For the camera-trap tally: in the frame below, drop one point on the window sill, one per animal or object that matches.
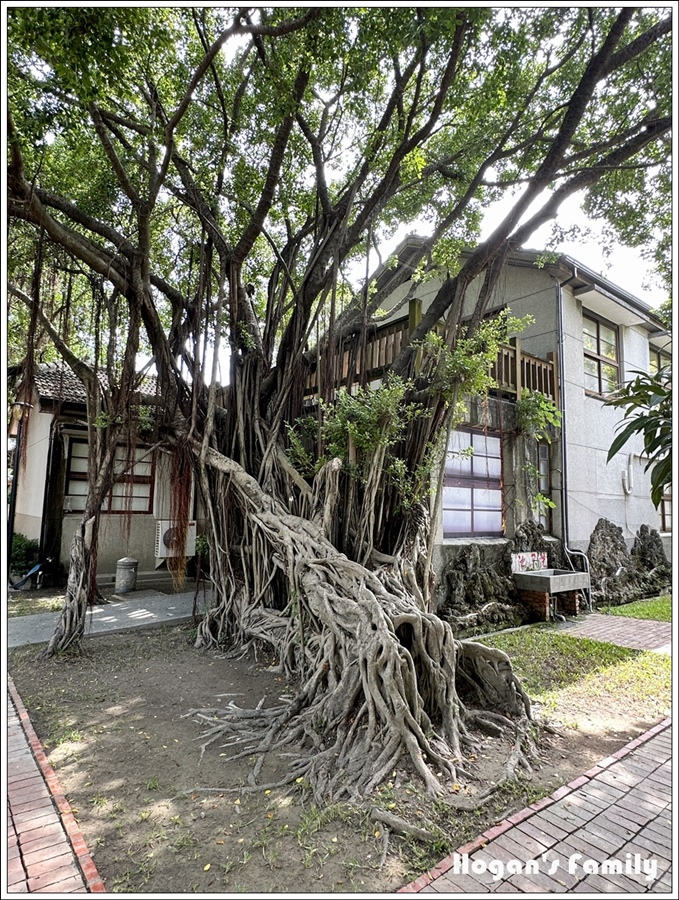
(474, 539)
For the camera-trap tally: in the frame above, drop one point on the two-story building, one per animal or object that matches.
(587, 336)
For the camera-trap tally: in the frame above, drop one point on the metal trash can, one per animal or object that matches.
(126, 575)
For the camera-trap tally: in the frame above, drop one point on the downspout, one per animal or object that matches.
(562, 435)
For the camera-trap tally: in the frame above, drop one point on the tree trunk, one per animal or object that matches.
(80, 590)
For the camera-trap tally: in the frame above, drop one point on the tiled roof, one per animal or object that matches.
(57, 381)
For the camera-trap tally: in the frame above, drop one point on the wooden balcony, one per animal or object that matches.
(513, 370)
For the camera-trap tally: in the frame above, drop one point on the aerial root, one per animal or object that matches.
(400, 825)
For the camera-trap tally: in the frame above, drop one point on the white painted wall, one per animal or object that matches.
(31, 479)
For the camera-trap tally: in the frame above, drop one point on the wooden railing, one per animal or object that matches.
(513, 370)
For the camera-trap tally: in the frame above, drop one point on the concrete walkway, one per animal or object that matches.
(139, 608)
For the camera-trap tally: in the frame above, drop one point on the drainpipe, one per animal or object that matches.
(562, 439)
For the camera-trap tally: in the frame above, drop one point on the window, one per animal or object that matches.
(544, 486)
(133, 488)
(472, 485)
(666, 511)
(600, 343)
(657, 360)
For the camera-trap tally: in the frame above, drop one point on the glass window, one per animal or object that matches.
(666, 511)
(472, 487)
(601, 361)
(657, 360)
(544, 486)
(133, 487)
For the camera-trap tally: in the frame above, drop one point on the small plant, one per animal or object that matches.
(153, 784)
(24, 553)
(536, 415)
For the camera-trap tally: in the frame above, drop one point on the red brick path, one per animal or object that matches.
(620, 810)
(640, 634)
(46, 851)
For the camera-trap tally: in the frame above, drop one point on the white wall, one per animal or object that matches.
(31, 479)
(595, 486)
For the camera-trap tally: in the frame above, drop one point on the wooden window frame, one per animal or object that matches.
(124, 478)
(598, 358)
(665, 511)
(475, 481)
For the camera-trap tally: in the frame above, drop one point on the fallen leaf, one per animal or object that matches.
(206, 868)
(378, 833)
(219, 842)
(267, 792)
(334, 840)
(237, 801)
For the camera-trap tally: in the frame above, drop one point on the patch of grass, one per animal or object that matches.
(26, 604)
(658, 609)
(556, 669)
(643, 682)
(546, 661)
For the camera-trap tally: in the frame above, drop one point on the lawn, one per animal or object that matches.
(557, 670)
(658, 608)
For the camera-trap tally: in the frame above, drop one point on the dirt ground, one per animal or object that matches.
(159, 818)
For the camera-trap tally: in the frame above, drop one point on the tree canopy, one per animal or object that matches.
(222, 171)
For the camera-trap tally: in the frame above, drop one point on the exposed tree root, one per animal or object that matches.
(398, 824)
(378, 674)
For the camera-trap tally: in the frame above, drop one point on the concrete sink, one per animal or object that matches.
(551, 581)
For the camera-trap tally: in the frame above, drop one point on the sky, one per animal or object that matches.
(624, 266)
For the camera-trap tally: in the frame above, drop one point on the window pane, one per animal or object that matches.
(78, 449)
(487, 499)
(78, 488)
(456, 522)
(458, 465)
(487, 467)
(609, 376)
(486, 445)
(591, 375)
(488, 521)
(607, 341)
(460, 440)
(591, 366)
(589, 336)
(78, 464)
(457, 498)
(133, 504)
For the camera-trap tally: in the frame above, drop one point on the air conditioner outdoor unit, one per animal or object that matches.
(168, 539)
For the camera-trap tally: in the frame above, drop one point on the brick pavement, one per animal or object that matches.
(608, 831)
(46, 851)
(639, 634)
(605, 832)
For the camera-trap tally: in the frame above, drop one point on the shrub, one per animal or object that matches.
(24, 553)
